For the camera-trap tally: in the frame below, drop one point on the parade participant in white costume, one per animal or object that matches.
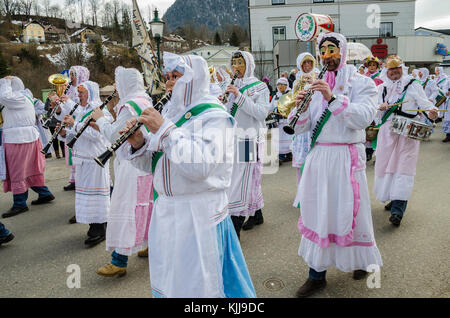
(193, 248)
(78, 74)
(92, 193)
(131, 200)
(336, 221)
(22, 162)
(397, 155)
(249, 104)
(306, 64)
(284, 148)
(443, 84)
(428, 84)
(446, 121)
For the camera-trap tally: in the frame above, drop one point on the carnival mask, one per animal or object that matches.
(282, 87)
(330, 54)
(238, 65)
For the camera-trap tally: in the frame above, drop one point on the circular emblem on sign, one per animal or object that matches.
(188, 115)
(305, 27)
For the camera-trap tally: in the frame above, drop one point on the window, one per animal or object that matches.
(386, 29)
(322, 1)
(276, 2)
(279, 33)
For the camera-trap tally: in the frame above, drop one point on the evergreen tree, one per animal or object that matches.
(4, 70)
(126, 26)
(99, 58)
(234, 40)
(217, 39)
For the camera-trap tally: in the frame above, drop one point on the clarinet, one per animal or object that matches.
(103, 158)
(225, 97)
(56, 133)
(289, 129)
(52, 114)
(89, 120)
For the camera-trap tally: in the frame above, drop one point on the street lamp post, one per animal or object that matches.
(157, 27)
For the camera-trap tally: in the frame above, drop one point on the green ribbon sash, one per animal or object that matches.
(194, 112)
(242, 90)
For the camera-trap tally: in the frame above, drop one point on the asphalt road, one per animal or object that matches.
(416, 255)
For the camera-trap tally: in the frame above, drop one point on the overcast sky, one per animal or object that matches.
(429, 13)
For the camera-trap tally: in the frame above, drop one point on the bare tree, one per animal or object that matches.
(47, 5)
(36, 8)
(55, 11)
(25, 6)
(81, 7)
(9, 7)
(94, 8)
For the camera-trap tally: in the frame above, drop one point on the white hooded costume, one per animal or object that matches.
(131, 200)
(336, 220)
(92, 193)
(285, 139)
(397, 155)
(191, 236)
(252, 108)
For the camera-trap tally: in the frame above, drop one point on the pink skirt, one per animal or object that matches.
(25, 165)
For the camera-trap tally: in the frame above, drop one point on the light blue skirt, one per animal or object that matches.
(236, 278)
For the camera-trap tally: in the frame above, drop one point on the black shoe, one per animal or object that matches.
(43, 200)
(14, 211)
(369, 157)
(359, 274)
(447, 139)
(237, 224)
(259, 218)
(250, 224)
(94, 240)
(69, 187)
(310, 287)
(73, 220)
(388, 206)
(395, 219)
(6, 239)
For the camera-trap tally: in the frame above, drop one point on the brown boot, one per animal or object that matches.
(310, 287)
(110, 270)
(447, 139)
(58, 156)
(143, 253)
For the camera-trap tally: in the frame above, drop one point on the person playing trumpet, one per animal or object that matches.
(336, 222)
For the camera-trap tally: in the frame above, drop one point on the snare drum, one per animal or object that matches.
(411, 128)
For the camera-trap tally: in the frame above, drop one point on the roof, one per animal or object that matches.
(27, 23)
(79, 31)
(53, 29)
(443, 31)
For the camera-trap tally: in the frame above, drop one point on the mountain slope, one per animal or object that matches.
(212, 13)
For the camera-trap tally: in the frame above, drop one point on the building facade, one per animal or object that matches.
(215, 55)
(384, 26)
(33, 31)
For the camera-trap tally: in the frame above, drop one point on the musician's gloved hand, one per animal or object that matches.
(323, 87)
(69, 121)
(137, 140)
(433, 114)
(97, 114)
(300, 97)
(232, 89)
(152, 119)
(384, 106)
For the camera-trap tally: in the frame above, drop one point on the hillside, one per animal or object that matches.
(214, 14)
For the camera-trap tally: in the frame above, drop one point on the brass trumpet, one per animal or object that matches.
(59, 81)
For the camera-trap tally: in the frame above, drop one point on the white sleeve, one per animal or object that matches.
(8, 98)
(360, 111)
(303, 123)
(111, 129)
(257, 106)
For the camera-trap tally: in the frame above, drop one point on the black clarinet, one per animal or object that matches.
(57, 131)
(52, 114)
(103, 158)
(225, 97)
(72, 142)
(289, 129)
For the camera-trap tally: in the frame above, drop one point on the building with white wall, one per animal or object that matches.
(215, 55)
(275, 45)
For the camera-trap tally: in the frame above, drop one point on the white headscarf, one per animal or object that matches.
(442, 75)
(192, 88)
(397, 85)
(425, 74)
(300, 59)
(17, 84)
(93, 92)
(129, 84)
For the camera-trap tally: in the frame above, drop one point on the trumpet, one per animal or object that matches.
(289, 129)
(59, 81)
(103, 158)
(57, 131)
(72, 142)
(225, 97)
